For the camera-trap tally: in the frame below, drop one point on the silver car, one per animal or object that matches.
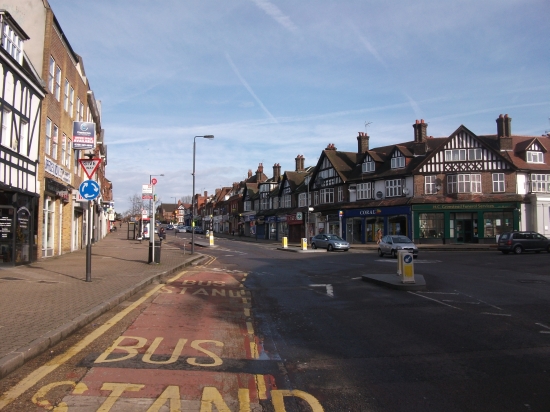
(181, 229)
(390, 244)
(330, 242)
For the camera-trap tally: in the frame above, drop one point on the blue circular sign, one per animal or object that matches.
(408, 259)
(89, 189)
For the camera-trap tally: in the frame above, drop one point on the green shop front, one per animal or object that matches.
(464, 222)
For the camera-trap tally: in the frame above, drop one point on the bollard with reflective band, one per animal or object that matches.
(211, 237)
(405, 266)
(304, 243)
(285, 242)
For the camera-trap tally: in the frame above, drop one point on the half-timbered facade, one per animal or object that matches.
(21, 95)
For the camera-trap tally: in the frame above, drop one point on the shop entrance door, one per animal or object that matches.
(7, 229)
(464, 230)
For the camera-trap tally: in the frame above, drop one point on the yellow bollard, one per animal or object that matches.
(285, 242)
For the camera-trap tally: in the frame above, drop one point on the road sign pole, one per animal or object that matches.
(152, 228)
(89, 245)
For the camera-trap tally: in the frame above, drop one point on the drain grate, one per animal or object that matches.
(531, 281)
(10, 278)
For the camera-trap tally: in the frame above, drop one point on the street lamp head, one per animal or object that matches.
(207, 136)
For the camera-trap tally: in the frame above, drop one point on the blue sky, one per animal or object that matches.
(272, 79)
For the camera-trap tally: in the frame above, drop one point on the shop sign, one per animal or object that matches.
(6, 224)
(64, 195)
(271, 219)
(293, 219)
(54, 169)
(464, 206)
(281, 218)
(83, 135)
(370, 212)
(54, 187)
(249, 218)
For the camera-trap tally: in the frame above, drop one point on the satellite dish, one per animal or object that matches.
(406, 191)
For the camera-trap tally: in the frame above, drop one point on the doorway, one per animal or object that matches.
(466, 228)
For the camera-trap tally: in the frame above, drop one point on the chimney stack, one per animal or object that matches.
(249, 173)
(362, 143)
(331, 146)
(259, 173)
(300, 163)
(276, 172)
(420, 129)
(504, 132)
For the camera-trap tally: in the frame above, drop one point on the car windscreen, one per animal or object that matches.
(401, 239)
(334, 237)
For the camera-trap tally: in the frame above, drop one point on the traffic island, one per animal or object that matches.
(298, 250)
(394, 281)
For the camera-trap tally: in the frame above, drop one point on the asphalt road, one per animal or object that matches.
(477, 339)
(257, 328)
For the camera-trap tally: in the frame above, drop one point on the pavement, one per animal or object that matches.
(44, 302)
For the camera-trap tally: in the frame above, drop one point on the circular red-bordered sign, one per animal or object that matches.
(154, 181)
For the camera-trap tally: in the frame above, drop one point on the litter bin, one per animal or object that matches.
(157, 252)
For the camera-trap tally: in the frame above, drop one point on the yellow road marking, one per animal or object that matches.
(250, 328)
(33, 378)
(260, 384)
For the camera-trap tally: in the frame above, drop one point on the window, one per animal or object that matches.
(316, 198)
(430, 185)
(540, 183)
(24, 137)
(13, 44)
(64, 149)
(247, 206)
(475, 154)
(77, 114)
(287, 201)
(6, 128)
(498, 182)
(48, 145)
(81, 118)
(76, 163)
(397, 162)
(69, 150)
(535, 157)
(464, 183)
(364, 191)
(66, 96)
(394, 188)
(264, 202)
(57, 87)
(51, 75)
(340, 193)
(497, 223)
(71, 102)
(302, 199)
(327, 195)
(55, 137)
(368, 167)
(455, 155)
(431, 225)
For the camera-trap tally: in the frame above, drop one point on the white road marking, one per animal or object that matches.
(435, 300)
(441, 293)
(330, 291)
(544, 326)
(357, 278)
(495, 314)
(459, 301)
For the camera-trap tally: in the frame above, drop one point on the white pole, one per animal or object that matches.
(152, 228)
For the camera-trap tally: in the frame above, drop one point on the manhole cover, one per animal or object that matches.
(10, 278)
(530, 281)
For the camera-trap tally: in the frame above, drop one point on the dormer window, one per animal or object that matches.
(368, 167)
(397, 161)
(534, 157)
(12, 42)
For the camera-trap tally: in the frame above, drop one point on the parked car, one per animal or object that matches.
(181, 229)
(330, 242)
(199, 230)
(170, 227)
(519, 242)
(390, 244)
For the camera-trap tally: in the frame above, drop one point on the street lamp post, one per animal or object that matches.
(152, 221)
(207, 136)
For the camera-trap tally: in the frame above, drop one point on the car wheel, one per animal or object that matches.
(518, 249)
(548, 250)
(313, 246)
(330, 248)
(504, 252)
(380, 253)
(394, 254)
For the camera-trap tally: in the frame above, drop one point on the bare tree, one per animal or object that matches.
(136, 205)
(186, 199)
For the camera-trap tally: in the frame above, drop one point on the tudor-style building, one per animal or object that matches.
(21, 95)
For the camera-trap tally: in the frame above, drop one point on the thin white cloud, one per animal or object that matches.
(273, 11)
(368, 45)
(414, 106)
(247, 86)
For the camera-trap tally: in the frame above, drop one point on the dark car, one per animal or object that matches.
(330, 242)
(519, 242)
(390, 244)
(199, 230)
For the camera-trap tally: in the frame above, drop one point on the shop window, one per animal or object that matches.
(397, 225)
(497, 223)
(431, 225)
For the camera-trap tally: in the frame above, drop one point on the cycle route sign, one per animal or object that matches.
(89, 189)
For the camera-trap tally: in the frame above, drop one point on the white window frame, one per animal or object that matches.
(66, 96)
(51, 75)
(368, 167)
(48, 142)
(464, 183)
(475, 154)
(247, 205)
(315, 198)
(455, 155)
(81, 119)
(71, 102)
(326, 195)
(499, 184)
(77, 108)
(394, 188)
(287, 201)
(430, 184)
(364, 191)
(302, 199)
(534, 157)
(69, 150)
(57, 91)
(397, 162)
(7, 137)
(540, 183)
(340, 194)
(55, 141)
(64, 149)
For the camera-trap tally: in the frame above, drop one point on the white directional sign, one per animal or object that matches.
(89, 189)
(146, 192)
(90, 166)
